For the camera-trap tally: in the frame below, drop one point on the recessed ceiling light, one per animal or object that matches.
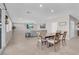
(28, 12)
(41, 5)
(52, 10)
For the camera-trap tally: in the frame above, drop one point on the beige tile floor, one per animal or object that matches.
(19, 45)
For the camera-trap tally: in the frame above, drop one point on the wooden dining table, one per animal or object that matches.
(50, 36)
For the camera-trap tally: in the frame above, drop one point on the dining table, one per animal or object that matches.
(50, 36)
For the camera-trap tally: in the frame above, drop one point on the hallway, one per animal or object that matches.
(20, 45)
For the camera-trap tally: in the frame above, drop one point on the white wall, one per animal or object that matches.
(9, 25)
(8, 31)
(22, 26)
(3, 28)
(72, 29)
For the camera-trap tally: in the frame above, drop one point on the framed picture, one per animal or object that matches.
(42, 25)
(29, 26)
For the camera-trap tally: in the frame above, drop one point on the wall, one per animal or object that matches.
(8, 31)
(3, 28)
(22, 26)
(73, 31)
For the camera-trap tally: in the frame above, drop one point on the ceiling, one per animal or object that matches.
(33, 11)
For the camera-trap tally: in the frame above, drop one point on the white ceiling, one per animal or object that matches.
(32, 11)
